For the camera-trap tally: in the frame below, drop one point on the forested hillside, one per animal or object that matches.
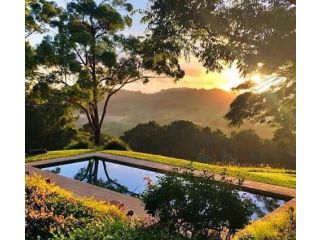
(203, 107)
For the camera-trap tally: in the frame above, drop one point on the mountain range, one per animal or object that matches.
(203, 107)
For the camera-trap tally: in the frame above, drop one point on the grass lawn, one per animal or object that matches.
(279, 177)
(58, 154)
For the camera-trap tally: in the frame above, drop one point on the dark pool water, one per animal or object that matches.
(133, 181)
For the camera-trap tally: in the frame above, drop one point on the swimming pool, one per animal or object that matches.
(134, 181)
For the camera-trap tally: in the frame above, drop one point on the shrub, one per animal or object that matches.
(197, 206)
(41, 219)
(116, 230)
(51, 210)
(81, 144)
(116, 144)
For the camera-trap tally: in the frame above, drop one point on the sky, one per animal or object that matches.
(195, 75)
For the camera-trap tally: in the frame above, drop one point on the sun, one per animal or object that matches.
(231, 77)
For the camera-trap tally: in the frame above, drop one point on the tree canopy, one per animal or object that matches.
(89, 60)
(38, 15)
(186, 140)
(257, 35)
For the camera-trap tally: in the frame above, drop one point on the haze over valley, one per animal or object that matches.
(203, 107)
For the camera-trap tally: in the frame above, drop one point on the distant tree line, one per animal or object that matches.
(184, 139)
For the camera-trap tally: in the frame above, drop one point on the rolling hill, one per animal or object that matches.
(203, 107)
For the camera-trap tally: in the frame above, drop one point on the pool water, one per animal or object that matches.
(134, 181)
(113, 176)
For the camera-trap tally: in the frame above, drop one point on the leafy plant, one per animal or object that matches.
(116, 144)
(199, 207)
(116, 230)
(50, 210)
(79, 145)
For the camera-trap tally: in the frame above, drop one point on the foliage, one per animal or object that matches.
(198, 207)
(53, 213)
(184, 139)
(275, 49)
(249, 34)
(117, 231)
(38, 14)
(116, 144)
(49, 121)
(51, 210)
(89, 60)
(79, 145)
(86, 132)
(246, 31)
(143, 133)
(41, 220)
(279, 226)
(31, 60)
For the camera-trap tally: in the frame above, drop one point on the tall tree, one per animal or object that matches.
(89, 60)
(258, 35)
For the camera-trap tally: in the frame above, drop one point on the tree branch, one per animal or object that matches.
(84, 109)
(104, 109)
(28, 34)
(63, 82)
(110, 95)
(79, 55)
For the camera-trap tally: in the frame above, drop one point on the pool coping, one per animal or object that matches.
(132, 203)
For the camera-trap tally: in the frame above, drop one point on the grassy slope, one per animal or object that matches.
(102, 207)
(280, 177)
(58, 154)
(269, 226)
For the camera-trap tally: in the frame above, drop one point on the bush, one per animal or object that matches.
(117, 230)
(116, 144)
(41, 220)
(50, 210)
(197, 206)
(79, 145)
(54, 213)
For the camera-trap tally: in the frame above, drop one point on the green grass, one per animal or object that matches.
(279, 177)
(58, 154)
(269, 226)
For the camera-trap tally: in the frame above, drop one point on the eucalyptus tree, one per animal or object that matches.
(257, 35)
(38, 15)
(89, 59)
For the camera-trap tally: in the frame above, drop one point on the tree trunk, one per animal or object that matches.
(97, 136)
(95, 171)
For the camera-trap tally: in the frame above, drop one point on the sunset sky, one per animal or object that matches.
(195, 77)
